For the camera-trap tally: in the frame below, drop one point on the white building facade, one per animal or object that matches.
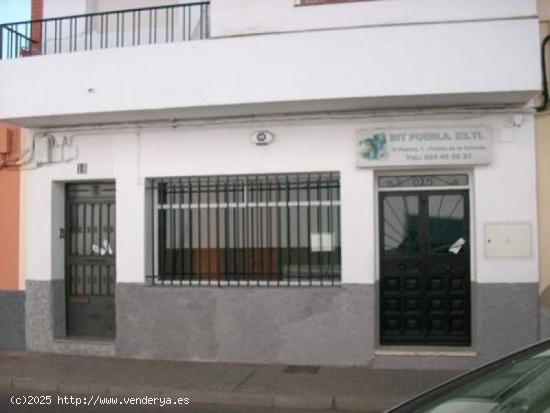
(349, 183)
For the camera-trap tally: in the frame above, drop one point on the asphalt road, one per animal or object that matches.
(18, 402)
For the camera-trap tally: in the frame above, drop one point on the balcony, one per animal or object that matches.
(83, 69)
(121, 28)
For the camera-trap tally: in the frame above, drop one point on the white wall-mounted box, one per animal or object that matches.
(508, 240)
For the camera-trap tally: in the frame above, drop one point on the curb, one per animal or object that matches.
(222, 397)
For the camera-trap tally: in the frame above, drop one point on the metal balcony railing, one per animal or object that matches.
(120, 28)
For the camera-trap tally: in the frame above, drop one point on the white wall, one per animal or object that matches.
(436, 64)
(502, 191)
(238, 17)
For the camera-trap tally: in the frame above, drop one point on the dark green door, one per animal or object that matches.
(90, 259)
(425, 268)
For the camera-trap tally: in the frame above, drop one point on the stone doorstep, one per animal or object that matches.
(229, 398)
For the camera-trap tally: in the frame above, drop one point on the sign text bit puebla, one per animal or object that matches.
(418, 147)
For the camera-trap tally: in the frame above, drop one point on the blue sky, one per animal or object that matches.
(14, 10)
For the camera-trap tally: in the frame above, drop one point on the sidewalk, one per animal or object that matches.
(337, 388)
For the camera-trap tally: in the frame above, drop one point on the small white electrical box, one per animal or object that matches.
(43, 150)
(508, 240)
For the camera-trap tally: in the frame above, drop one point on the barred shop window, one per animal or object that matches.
(252, 230)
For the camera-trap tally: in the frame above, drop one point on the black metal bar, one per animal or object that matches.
(218, 229)
(155, 25)
(161, 217)
(28, 44)
(17, 48)
(199, 229)
(150, 26)
(154, 231)
(60, 36)
(208, 249)
(320, 224)
(261, 211)
(258, 224)
(269, 236)
(181, 215)
(133, 29)
(288, 226)
(279, 235)
(190, 186)
(86, 33)
(189, 23)
(330, 246)
(183, 9)
(172, 24)
(139, 27)
(75, 34)
(118, 30)
(226, 227)
(45, 37)
(331, 229)
(309, 228)
(236, 229)
(246, 233)
(166, 17)
(298, 230)
(172, 230)
(91, 32)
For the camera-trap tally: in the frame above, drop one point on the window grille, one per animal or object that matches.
(252, 230)
(415, 181)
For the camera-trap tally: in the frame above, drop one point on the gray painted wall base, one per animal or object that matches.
(330, 326)
(326, 326)
(506, 318)
(12, 320)
(45, 321)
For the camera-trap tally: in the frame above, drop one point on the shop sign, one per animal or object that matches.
(424, 146)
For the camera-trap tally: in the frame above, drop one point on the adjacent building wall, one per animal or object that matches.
(543, 174)
(12, 297)
(543, 187)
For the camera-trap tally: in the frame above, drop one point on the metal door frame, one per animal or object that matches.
(470, 187)
(67, 243)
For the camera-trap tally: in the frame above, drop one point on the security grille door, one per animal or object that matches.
(90, 259)
(425, 268)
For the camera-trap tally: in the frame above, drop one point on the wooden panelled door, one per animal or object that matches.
(424, 268)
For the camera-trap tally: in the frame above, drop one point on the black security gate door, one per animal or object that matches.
(425, 268)
(90, 259)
